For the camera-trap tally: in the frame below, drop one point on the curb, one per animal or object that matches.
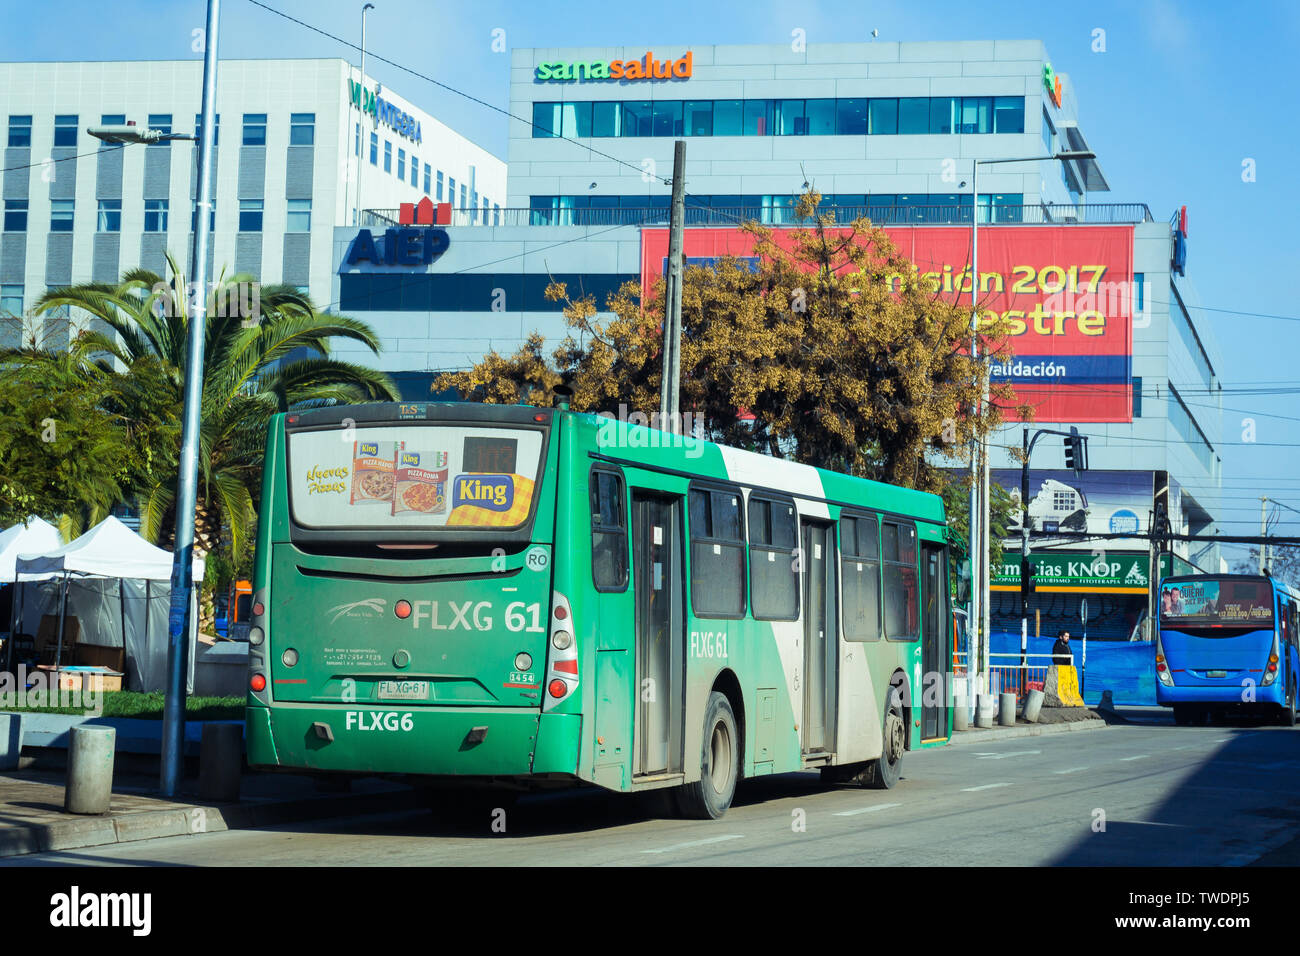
(82, 832)
(1026, 730)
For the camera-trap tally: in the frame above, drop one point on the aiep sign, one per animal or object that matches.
(404, 246)
(646, 68)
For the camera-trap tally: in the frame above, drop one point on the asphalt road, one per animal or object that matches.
(1165, 795)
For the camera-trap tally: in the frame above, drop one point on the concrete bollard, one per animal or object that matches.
(984, 711)
(960, 714)
(1033, 704)
(11, 740)
(90, 769)
(1007, 710)
(1107, 701)
(221, 753)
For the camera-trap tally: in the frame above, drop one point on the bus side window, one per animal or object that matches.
(717, 553)
(860, 574)
(902, 594)
(608, 531)
(773, 582)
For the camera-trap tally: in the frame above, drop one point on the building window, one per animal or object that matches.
(605, 119)
(110, 216)
(298, 218)
(773, 582)
(216, 128)
(163, 123)
(194, 218)
(356, 141)
(302, 129)
(882, 117)
(439, 196)
(717, 553)
(374, 149)
(860, 573)
(463, 196)
(608, 531)
(1009, 114)
(61, 215)
(1137, 396)
(1062, 501)
(155, 215)
(496, 215)
(1049, 135)
(401, 165)
(473, 205)
(112, 119)
(250, 215)
(254, 129)
(388, 156)
(11, 299)
(902, 593)
(20, 131)
(65, 130)
(15, 215)
(428, 178)
(546, 120)
(415, 172)
(451, 191)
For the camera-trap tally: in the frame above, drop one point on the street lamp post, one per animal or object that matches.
(979, 496)
(365, 141)
(179, 621)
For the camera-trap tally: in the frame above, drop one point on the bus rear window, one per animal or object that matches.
(1217, 601)
(413, 476)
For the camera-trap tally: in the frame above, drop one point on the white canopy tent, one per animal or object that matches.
(119, 587)
(35, 536)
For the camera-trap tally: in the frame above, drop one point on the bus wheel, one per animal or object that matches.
(1288, 709)
(709, 797)
(883, 772)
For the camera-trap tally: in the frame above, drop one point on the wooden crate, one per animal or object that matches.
(94, 655)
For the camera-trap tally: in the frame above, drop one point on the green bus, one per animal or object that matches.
(533, 597)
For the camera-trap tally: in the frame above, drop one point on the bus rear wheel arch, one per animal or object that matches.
(709, 797)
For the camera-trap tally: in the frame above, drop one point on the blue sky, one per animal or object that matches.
(1183, 94)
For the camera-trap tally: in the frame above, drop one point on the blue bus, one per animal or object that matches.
(1226, 644)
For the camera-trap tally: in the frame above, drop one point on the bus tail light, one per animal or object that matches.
(1270, 672)
(562, 656)
(258, 685)
(1162, 666)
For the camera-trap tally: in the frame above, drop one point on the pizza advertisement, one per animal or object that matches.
(420, 482)
(372, 472)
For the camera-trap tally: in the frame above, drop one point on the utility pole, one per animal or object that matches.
(1263, 532)
(181, 618)
(977, 566)
(670, 384)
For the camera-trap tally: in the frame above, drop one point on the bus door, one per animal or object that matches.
(934, 643)
(821, 637)
(657, 578)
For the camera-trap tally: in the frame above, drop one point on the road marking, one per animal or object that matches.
(1014, 753)
(987, 786)
(879, 806)
(1156, 823)
(691, 843)
(1188, 747)
(1138, 757)
(1223, 740)
(1071, 770)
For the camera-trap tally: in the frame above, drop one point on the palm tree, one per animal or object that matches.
(253, 367)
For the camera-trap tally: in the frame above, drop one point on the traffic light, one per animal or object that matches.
(1076, 451)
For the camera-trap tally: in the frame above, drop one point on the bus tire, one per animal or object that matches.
(1288, 709)
(709, 797)
(883, 772)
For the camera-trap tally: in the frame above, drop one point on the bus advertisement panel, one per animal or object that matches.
(1066, 292)
(1214, 601)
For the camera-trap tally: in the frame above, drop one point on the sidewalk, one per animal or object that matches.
(1051, 720)
(32, 819)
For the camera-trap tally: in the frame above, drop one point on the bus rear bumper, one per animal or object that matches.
(459, 741)
(1225, 696)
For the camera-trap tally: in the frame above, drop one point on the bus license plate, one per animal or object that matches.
(403, 690)
(1216, 673)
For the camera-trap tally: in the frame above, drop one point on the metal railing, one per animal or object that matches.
(1008, 675)
(1038, 215)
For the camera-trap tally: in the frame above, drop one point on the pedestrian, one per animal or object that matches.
(1061, 652)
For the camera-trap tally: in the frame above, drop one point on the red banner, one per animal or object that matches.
(1066, 292)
